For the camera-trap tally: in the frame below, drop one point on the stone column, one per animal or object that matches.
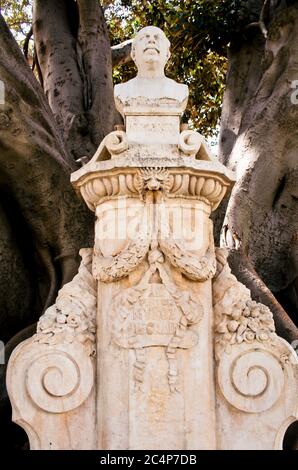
(154, 259)
(154, 326)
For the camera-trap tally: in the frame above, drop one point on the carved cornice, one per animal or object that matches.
(187, 178)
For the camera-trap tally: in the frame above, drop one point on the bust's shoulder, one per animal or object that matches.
(177, 90)
(177, 85)
(118, 87)
(122, 89)
(182, 86)
(123, 92)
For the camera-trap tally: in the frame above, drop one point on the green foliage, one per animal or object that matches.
(18, 16)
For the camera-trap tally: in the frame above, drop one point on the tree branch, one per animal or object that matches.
(34, 164)
(121, 53)
(36, 64)
(94, 42)
(26, 42)
(261, 23)
(59, 69)
(264, 13)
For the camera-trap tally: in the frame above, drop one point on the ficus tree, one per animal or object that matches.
(58, 69)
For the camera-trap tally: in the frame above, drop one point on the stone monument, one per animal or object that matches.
(154, 344)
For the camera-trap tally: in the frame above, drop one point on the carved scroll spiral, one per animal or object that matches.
(251, 379)
(116, 142)
(190, 142)
(58, 381)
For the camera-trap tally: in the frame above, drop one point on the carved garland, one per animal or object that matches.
(113, 268)
(238, 318)
(73, 317)
(110, 269)
(195, 268)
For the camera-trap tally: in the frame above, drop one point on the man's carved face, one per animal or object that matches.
(150, 46)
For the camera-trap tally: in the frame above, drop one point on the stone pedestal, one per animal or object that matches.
(154, 344)
(155, 316)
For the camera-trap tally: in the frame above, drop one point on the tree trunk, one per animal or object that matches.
(42, 222)
(259, 139)
(74, 56)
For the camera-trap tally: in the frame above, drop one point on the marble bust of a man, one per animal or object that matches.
(150, 52)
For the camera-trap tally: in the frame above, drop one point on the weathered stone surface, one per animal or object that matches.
(184, 358)
(256, 371)
(50, 377)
